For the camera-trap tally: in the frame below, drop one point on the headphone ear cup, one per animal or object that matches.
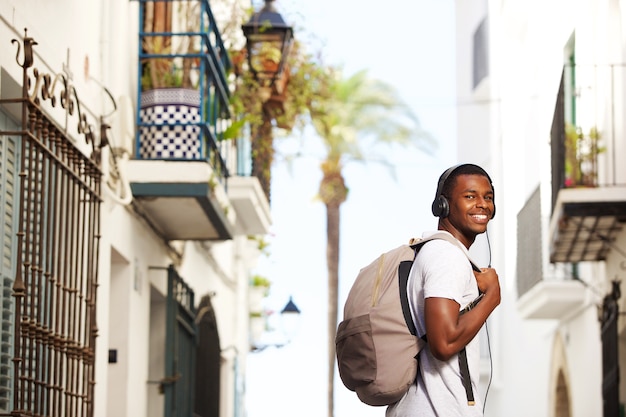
(440, 207)
(494, 202)
(445, 207)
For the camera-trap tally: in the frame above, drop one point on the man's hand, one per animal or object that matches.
(489, 284)
(447, 331)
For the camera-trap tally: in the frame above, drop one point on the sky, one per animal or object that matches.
(409, 45)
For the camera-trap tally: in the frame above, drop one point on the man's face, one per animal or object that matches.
(471, 205)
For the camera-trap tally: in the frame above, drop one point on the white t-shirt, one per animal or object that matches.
(443, 270)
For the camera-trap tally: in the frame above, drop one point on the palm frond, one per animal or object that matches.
(359, 107)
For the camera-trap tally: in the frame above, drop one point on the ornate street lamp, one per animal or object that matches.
(289, 323)
(290, 317)
(268, 42)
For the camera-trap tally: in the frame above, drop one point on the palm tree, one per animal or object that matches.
(353, 109)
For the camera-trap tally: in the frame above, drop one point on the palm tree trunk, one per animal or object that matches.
(332, 261)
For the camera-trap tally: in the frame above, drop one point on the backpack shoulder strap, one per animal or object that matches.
(403, 275)
(416, 243)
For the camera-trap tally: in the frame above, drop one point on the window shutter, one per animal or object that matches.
(9, 157)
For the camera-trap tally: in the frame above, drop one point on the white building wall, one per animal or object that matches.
(504, 125)
(97, 41)
(141, 282)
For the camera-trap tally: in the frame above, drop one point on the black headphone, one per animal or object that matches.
(440, 206)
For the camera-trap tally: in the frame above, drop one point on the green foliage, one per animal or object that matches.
(306, 77)
(260, 281)
(581, 156)
(233, 131)
(308, 84)
(358, 106)
(261, 244)
(245, 102)
(265, 108)
(168, 69)
(161, 74)
(351, 111)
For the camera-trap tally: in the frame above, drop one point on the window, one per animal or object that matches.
(9, 148)
(480, 50)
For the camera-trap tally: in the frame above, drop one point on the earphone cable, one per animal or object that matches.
(488, 341)
(490, 367)
(489, 246)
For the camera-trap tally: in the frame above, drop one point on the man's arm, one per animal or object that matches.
(448, 331)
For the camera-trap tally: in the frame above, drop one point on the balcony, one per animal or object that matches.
(588, 179)
(179, 173)
(540, 297)
(588, 195)
(585, 222)
(182, 200)
(182, 88)
(552, 299)
(251, 205)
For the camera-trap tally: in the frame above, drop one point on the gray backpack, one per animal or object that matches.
(376, 343)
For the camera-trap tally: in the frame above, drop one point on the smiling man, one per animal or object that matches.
(450, 300)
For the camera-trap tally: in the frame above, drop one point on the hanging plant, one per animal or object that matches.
(303, 81)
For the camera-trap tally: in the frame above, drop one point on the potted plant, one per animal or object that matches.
(258, 325)
(170, 99)
(581, 156)
(302, 81)
(261, 284)
(259, 289)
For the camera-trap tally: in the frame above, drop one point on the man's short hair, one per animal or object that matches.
(464, 169)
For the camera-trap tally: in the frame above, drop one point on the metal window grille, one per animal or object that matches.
(530, 261)
(54, 290)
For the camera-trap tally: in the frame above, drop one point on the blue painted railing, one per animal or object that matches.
(204, 128)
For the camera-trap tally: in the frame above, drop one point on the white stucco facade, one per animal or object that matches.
(545, 340)
(96, 41)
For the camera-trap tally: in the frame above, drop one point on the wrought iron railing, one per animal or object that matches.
(57, 250)
(182, 49)
(587, 130)
(180, 347)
